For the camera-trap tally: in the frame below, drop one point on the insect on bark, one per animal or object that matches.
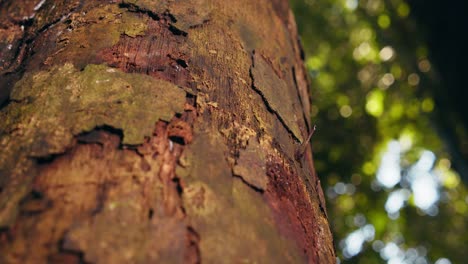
(303, 147)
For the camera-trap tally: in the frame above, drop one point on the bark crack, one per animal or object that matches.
(255, 188)
(137, 9)
(155, 16)
(267, 103)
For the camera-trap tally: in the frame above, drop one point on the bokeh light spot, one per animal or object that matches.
(375, 103)
(443, 261)
(351, 4)
(389, 173)
(364, 75)
(406, 139)
(424, 183)
(388, 79)
(353, 243)
(384, 21)
(326, 81)
(413, 79)
(403, 10)
(396, 200)
(364, 49)
(342, 100)
(368, 168)
(386, 53)
(346, 203)
(424, 65)
(449, 179)
(314, 62)
(445, 164)
(346, 111)
(427, 105)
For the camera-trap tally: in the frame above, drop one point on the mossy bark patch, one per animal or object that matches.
(49, 108)
(81, 37)
(65, 101)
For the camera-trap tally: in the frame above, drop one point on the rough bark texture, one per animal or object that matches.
(141, 131)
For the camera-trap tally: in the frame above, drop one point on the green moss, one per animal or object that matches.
(50, 107)
(132, 25)
(65, 101)
(83, 39)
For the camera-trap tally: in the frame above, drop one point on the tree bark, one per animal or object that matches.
(141, 131)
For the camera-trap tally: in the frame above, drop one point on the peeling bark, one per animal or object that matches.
(140, 131)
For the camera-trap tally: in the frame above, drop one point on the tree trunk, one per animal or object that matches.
(141, 131)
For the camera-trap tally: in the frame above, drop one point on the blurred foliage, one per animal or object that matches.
(371, 95)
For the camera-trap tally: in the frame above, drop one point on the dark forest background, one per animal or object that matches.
(388, 85)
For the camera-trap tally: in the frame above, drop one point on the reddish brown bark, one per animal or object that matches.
(83, 178)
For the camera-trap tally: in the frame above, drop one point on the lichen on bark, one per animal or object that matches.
(50, 107)
(73, 101)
